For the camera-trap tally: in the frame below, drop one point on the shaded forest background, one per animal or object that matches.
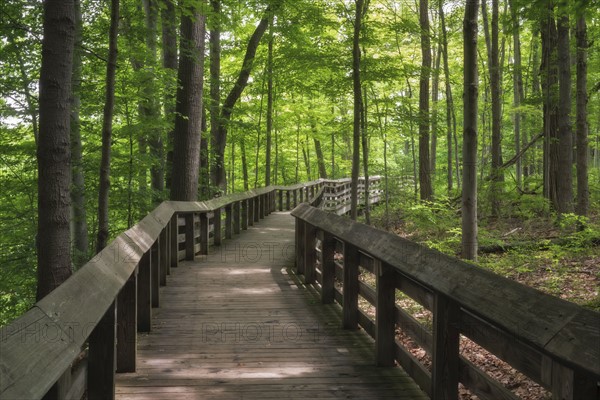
(295, 120)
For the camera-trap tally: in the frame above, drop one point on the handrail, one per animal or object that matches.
(105, 303)
(552, 341)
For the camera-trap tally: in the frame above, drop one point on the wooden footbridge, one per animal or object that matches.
(239, 298)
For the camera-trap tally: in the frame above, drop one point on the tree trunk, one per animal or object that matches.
(151, 105)
(169, 61)
(357, 108)
(244, 164)
(188, 119)
(269, 106)
(365, 160)
(583, 192)
(435, 89)
(518, 93)
(204, 178)
(495, 89)
(425, 188)
(53, 152)
(549, 81)
(215, 81)
(79, 229)
(564, 178)
(109, 105)
(469, 188)
(450, 115)
(320, 159)
(218, 169)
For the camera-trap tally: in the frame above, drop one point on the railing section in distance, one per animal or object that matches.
(552, 341)
(74, 340)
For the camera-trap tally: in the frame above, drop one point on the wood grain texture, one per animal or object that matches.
(236, 324)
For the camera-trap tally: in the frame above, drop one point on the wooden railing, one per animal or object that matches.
(553, 342)
(73, 340)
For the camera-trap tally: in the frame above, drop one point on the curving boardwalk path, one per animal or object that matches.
(236, 325)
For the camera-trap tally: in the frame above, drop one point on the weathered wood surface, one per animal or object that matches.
(234, 324)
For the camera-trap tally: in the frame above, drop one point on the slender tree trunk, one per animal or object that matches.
(469, 188)
(564, 178)
(215, 82)
(549, 72)
(357, 107)
(188, 120)
(269, 106)
(306, 162)
(320, 159)
(365, 160)
(169, 61)
(204, 178)
(218, 169)
(109, 105)
(151, 106)
(450, 115)
(244, 164)
(425, 188)
(435, 87)
(518, 94)
(54, 152)
(297, 149)
(583, 192)
(79, 229)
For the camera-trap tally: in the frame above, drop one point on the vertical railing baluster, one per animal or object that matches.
(328, 268)
(174, 242)
(236, 217)
(446, 335)
(350, 306)
(204, 235)
(228, 221)
(101, 358)
(217, 229)
(155, 270)
(310, 256)
(300, 250)
(245, 209)
(163, 255)
(189, 236)
(144, 294)
(385, 317)
(127, 325)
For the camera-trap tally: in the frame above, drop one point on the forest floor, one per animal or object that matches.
(542, 252)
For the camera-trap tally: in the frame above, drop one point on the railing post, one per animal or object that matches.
(350, 306)
(174, 241)
(163, 255)
(144, 294)
(288, 205)
(300, 250)
(228, 221)
(203, 233)
(251, 209)
(245, 209)
(217, 227)
(280, 200)
(310, 256)
(261, 206)
(127, 325)
(236, 217)
(568, 384)
(302, 194)
(101, 358)
(446, 335)
(295, 198)
(155, 255)
(385, 317)
(328, 268)
(189, 236)
(257, 209)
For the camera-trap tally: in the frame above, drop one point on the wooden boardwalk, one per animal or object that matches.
(236, 325)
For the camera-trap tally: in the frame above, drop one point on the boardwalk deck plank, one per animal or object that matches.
(235, 324)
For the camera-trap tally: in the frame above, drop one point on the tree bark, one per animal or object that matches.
(425, 188)
(450, 114)
(215, 81)
(549, 81)
(469, 188)
(188, 119)
(518, 93)
(583, 192)
(109, 105)
(564, 178)
(320, 159)
(435, 89)
(53, 152)
(150, 104)
(169, 61)
(357, 108)
(218, 176)
(269, 106)
(79, 229)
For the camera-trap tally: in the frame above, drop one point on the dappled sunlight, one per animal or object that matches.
(248, 271)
